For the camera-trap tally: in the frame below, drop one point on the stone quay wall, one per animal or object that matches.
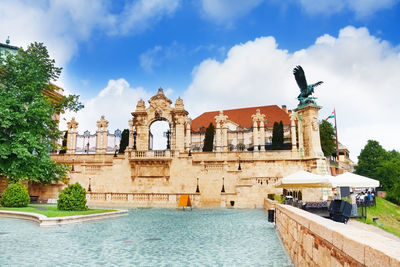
(158, 178)
(312, 240)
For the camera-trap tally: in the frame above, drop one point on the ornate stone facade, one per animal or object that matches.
(145, 177)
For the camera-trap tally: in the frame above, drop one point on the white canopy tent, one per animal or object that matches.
(304, 179)
(353, 180)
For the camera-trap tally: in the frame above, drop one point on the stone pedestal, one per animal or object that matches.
(309, 128)
(71, 137)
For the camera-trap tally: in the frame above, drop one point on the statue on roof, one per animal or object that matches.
(305, 89)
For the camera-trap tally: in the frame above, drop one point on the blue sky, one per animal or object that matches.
(219, 54)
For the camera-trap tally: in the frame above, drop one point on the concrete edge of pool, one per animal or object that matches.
(45, 221)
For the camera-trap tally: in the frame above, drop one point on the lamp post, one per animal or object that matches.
(197, 187)
(223, 185)
(240, 167)
(89, 188)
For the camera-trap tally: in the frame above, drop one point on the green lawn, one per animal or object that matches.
(52, 211)
(388, 214)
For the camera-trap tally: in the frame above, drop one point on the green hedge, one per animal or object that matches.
(72, 198)
(15, 195)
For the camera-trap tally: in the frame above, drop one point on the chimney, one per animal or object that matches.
(284, 108)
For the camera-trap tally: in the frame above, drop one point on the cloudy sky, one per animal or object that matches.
(218, 54)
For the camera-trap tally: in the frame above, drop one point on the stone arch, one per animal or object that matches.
(152, 137)
(160, 108)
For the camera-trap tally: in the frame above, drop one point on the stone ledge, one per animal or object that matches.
(365, 247)
(44, 221)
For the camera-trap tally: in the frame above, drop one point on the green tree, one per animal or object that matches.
(327, 136)
(27, 130)
(209, 138)
(370, 158)
(277, 136)
(124, 141)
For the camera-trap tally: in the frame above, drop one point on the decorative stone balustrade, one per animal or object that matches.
(140, 199)
(153, 154)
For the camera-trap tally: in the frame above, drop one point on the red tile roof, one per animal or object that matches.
(242, 116)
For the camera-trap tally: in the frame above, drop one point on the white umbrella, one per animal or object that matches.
(353, 180)
(304, 179)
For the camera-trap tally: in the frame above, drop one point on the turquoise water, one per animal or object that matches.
(147, 237)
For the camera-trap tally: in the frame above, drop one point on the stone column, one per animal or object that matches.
(262, 135)
(102, 140)
(188, 136)
(130, 144)
(220, 121)
(105, 138)
(312, 141)
(179, 134)
(300, 133)
(255, 135)
(293, 131)
(98, 139)
(71, 136)
(218, 137)
(224, 137)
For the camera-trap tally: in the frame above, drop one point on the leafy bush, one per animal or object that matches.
(72, 198)
(16, 195)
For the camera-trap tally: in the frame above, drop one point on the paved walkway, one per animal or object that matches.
(372, 228)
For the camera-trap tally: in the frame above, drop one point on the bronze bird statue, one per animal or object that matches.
(305, 89)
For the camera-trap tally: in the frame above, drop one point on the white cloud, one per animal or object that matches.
(156, 56)
(359, 71)
(361, 8)
(63, 24)
(226, 11)
(149, 59)
(115, 102)
(140, 15)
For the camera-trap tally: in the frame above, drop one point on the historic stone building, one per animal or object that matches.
(222, 178)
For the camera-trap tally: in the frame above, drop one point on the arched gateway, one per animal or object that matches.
(159, 109)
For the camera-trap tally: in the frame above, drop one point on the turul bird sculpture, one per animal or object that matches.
(305, 89)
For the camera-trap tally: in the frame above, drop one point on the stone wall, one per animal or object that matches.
(312, 240)
(151, 172)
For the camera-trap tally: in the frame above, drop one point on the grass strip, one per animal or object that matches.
(388, 214)
(52, 211)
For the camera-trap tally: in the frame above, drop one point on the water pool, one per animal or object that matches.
(148, 237)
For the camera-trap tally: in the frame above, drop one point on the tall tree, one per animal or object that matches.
(124, 141)
(209, 138)
(370, 158)
(27, 130)
(277, 136)
(327, 136)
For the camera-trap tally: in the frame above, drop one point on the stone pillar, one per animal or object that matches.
(139, 121)
(71, 136)
(312, 141)
(218, 137)
(188, 136)
(255, 135)
(179, 134)
(300, 133)
(258, 117)
(293, 131)
(130, 144)
(102, 140)
(224, 137)
(220, 121)
(262, 136)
